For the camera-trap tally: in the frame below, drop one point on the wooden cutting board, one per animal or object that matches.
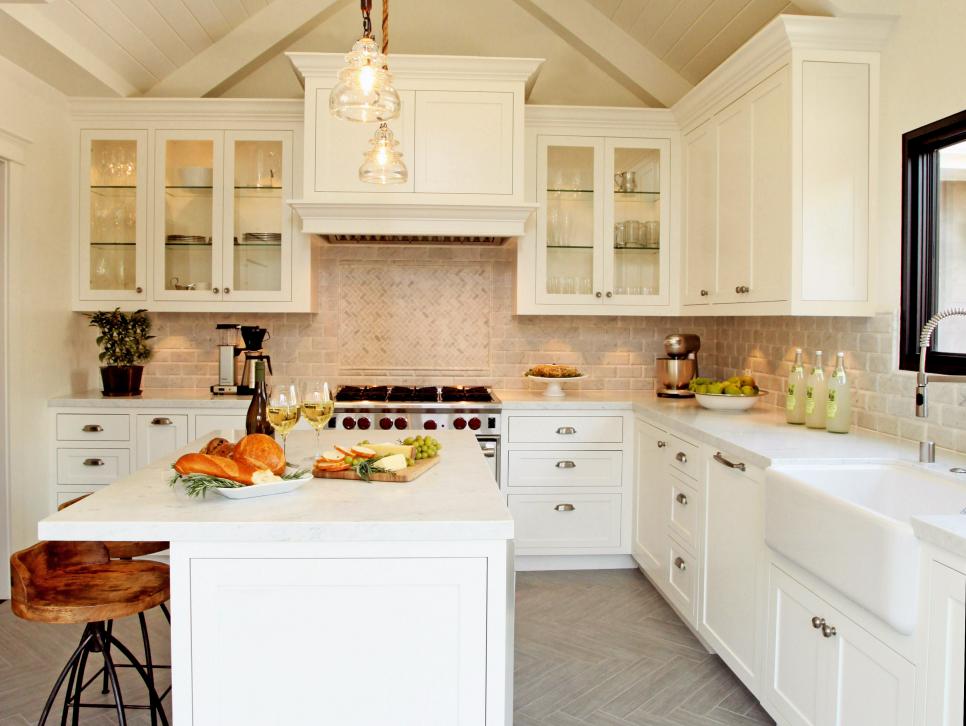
(400, 477)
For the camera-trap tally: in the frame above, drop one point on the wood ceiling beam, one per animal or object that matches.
(35, 20)
(605, 44)
(851, 8)
(264, 34)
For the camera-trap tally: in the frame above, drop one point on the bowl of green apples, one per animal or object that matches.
(738, 393)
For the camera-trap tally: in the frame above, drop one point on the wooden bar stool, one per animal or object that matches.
(78, 582)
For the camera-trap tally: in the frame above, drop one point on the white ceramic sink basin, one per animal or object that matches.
(849, 524)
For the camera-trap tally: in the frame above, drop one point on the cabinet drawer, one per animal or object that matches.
(684, 511)
(93, 427)
(682, 570)
(685, 457)
(92, 466)
(566, 521)
(566, 429)
(564, 469)
(209, 424)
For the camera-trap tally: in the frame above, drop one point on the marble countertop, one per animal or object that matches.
(455, 500)
(161, 397)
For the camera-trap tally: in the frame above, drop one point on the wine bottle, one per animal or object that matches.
(256, 420)
(816, 394)
(795, 391)
(839, 408)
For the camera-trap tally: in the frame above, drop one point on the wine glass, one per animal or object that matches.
(284, 411)
(317, 407)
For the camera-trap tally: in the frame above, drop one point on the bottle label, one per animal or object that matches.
(831, 408)
(809, 400)
(790, 398)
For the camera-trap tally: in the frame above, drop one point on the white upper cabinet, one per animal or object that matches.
(602, 242)
(780, 143)
(183, 207)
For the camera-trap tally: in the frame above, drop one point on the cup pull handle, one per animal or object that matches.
(93, 462)
(682, 457)
(92, 429)
(680, 564)
(719, 457)
(565, 507)
(161, 421)
(682, 498)
(567, 464)
(566, 430)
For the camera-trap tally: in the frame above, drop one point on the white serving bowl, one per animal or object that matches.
(723, 402)
(196, 176)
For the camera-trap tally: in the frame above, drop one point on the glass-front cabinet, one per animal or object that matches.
(113, 215)
(602, 224)
(222, 229)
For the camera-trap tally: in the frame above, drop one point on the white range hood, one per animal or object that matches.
(461, 134)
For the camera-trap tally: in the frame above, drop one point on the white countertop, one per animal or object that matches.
(455, 500)
(161, 397)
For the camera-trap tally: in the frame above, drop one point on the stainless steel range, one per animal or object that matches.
(430, 408)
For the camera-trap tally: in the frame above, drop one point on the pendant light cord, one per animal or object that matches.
(385, 27)
(366, 6)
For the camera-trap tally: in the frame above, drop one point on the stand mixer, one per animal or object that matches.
(674, 372)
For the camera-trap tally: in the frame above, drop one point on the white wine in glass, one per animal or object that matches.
(317, 407)
(284, 411)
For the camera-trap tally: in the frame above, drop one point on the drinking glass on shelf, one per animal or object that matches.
(586, 286)
(284, 411)
(317, 407)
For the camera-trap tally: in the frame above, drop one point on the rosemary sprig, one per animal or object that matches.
(367, 467)
(199, 484)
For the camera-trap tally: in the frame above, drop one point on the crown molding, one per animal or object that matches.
(203, 109)
(600, 117)
(412, 218)
(772, 45)
(13, 147)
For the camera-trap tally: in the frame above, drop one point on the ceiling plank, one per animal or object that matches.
(31, 18)
(210, 18)
(609, 47)
(264, 33)
(127, 35)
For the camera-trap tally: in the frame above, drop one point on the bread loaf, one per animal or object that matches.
(262, 451)
(218, 466)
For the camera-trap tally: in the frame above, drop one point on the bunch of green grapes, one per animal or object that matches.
(426, 447)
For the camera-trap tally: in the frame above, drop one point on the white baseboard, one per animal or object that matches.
(532, 563)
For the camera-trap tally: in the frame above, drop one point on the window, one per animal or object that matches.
(934, 242)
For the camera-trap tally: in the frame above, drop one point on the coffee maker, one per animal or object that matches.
(229, 347)
(253, 337)
(675, 371)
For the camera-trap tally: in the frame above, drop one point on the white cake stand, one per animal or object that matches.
(554, 389)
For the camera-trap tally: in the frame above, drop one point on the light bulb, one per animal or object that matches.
(382, 164)
(367, 79)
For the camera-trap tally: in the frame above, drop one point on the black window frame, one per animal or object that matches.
(920, 216)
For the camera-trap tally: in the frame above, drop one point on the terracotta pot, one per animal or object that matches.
(121, 380)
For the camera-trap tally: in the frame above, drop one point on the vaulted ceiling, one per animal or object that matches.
(598, 52)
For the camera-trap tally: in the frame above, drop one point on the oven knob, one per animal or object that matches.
(475, 423)
(429, 425)
(459, 423)
(401, 423)
(348, 422)
(364, 423)
(385, 423)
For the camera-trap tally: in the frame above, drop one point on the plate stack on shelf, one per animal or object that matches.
(187, 239)
(265, 238)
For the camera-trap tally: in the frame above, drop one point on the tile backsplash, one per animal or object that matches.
(428, 315)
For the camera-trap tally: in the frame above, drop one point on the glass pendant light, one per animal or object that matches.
(364, 92)
(383, 164)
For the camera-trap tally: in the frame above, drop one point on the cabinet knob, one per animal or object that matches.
(93, 462)
(828, 631)
(682, 499)
(92, 429)
(597, 294)
(227, 290)
(161, 421)
(565, 508)
(682, 457)
(680, 564)
(566, 464)
(610, 294)
(215, 291)
(139, 289)
(661, 444)
(817, 622)
(742, 289)
(704, 293)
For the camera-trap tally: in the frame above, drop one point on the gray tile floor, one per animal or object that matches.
(593, 648)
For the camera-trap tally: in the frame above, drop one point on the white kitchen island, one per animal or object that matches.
(341, 603)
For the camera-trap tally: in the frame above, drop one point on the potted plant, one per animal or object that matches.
(123, 341)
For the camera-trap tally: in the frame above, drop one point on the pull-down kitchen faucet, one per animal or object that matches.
(927, 449)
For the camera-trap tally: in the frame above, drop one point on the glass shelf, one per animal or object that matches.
(113, 244)
(616, 193)
(258, 244)
(187, 244)
(570, 247)
(113, 186)
(637, 249)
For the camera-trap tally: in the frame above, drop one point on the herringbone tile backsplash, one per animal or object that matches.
(444, 315)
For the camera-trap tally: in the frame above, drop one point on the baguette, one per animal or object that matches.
(242, 472)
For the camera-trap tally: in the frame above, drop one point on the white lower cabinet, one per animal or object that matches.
(683, 577)
(554, 523)
(158, 435)
(825, 670)
(650, 538)
(732, 592)
(945, 650)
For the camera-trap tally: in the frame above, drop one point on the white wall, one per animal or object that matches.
(922, 81)
(40, 323)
